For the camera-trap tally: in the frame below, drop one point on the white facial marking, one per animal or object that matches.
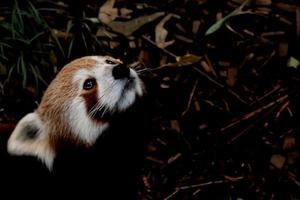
(81, 125)
(112, 96)
(111, 91)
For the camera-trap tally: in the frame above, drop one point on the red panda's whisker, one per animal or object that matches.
(105, 110)
(98, 106)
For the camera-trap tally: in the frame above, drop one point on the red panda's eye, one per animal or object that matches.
(89, 84)
(110, 62)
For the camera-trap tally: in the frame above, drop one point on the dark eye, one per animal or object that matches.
(110, 62)
(89, 84)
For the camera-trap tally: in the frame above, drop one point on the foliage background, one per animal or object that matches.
(223, 77)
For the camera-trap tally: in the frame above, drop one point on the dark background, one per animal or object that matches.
(221, 116)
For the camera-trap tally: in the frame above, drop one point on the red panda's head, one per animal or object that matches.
(75, 107)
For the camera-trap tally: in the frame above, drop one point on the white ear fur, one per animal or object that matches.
(31, 138)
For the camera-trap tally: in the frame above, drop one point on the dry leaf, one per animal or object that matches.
(151, 148)
(278, 161)
(293, 157)
(144, 57)
(283, 48)
(263, 2)
(202, 126)
(289, 142)
(182, 61)
(125, 13)
(53, 58)
(175, 126)
(161, 33)
(61, 34)
(196, 26)
(102, 32)
(231, 76)
(187, 60)
(107, 12)
(197, 106)
(128, 27)
(113, 44)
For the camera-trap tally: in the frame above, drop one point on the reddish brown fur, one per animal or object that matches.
(53, 107)
(91, 97)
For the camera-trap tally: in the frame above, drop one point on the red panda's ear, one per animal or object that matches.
(30, 138)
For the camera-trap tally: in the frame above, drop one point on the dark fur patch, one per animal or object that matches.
(30, 133)
(90, 100)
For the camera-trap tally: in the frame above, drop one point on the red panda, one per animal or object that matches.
(76, 107)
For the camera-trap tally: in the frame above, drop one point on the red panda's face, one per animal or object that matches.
(102, 89)
(75, 106)
(107, 87)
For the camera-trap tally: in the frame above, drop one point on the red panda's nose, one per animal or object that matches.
(120, 71)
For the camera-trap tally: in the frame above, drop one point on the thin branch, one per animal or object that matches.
(221, 86)
(236, 137)
(190, 98)
(254, 113)
(163, 49)
(277, 87)
(217, 182)
(172, 194)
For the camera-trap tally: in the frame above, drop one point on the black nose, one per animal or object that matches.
(120, 71)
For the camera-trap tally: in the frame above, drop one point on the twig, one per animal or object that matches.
(272, 33)
(155, 160)
(293, 177)
(210, 65)
(202, 184)
(190, 98)
(268, 59)
(163, 49)
(253, 113)
(236, 137)
(226, 180)
(172, 194)
(265, 95)
(283, 107)
(221, 86)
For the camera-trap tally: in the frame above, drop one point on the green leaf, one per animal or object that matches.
(17, 20)
(24, 71)
(36, 36)
(220, 23)
(10, 72)
(35, 75)
(293, 62)
(70, 48)
(2, 44)
(36, 15)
